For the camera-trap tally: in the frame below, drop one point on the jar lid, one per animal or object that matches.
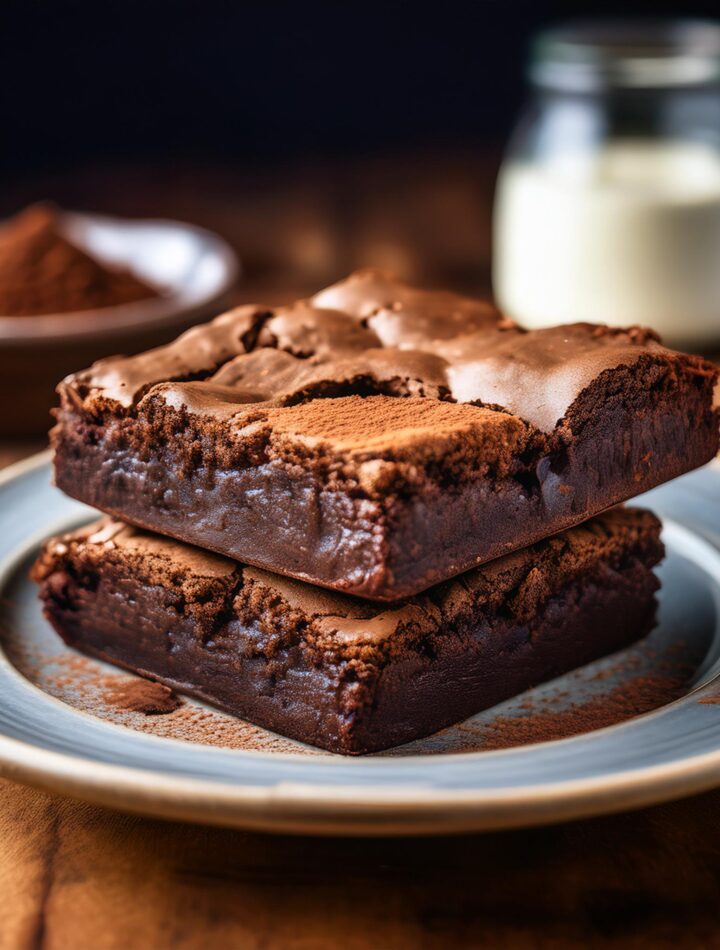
(596, 54)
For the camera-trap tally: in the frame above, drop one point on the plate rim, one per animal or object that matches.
(304, 807)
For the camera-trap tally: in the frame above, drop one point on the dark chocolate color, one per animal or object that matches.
(337, 671)
(378, 439)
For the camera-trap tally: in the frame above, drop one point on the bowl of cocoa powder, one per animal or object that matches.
(76, 287)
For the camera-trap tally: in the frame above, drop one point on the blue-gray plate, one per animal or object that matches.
(61, 730)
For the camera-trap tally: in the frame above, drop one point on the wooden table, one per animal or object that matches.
(77, 877)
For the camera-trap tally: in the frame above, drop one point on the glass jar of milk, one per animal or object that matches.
(608, 202)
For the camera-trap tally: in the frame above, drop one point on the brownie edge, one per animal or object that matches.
(336, 671)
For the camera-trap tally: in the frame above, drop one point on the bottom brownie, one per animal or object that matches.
(338, 672)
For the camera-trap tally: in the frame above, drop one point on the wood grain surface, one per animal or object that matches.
(76, 876)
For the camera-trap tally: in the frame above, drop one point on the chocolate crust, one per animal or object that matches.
(386, 444)
(337, 671)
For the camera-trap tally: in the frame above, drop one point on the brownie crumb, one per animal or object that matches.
(143, 696)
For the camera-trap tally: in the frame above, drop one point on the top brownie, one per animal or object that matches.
(378, 439)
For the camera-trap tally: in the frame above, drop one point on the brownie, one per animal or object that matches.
(379, 439)
(337, 671)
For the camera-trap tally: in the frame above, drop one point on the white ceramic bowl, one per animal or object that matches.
(193, 270)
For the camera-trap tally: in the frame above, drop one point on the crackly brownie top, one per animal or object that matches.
(206, 584)
(371, 335)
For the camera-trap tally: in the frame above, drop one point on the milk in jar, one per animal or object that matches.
(596, 219)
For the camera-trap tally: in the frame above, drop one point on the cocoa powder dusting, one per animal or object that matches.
(42, 271)
(143, 696)
(632, 698)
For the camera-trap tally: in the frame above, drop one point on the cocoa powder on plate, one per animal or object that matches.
(635, 696)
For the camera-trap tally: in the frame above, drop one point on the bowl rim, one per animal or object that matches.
(149, 314)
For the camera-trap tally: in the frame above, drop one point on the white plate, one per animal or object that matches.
(426, 787)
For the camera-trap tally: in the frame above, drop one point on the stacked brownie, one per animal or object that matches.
(415, 470)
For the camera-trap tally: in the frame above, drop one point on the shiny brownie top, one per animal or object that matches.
(373, 336)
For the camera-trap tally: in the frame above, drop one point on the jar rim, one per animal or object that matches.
(591, 55)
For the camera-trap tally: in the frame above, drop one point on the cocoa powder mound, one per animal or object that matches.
(42, 271)
(143, 696)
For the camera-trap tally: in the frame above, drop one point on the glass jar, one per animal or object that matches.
(607, 206)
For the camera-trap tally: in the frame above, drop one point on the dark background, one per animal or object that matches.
(87, 82)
